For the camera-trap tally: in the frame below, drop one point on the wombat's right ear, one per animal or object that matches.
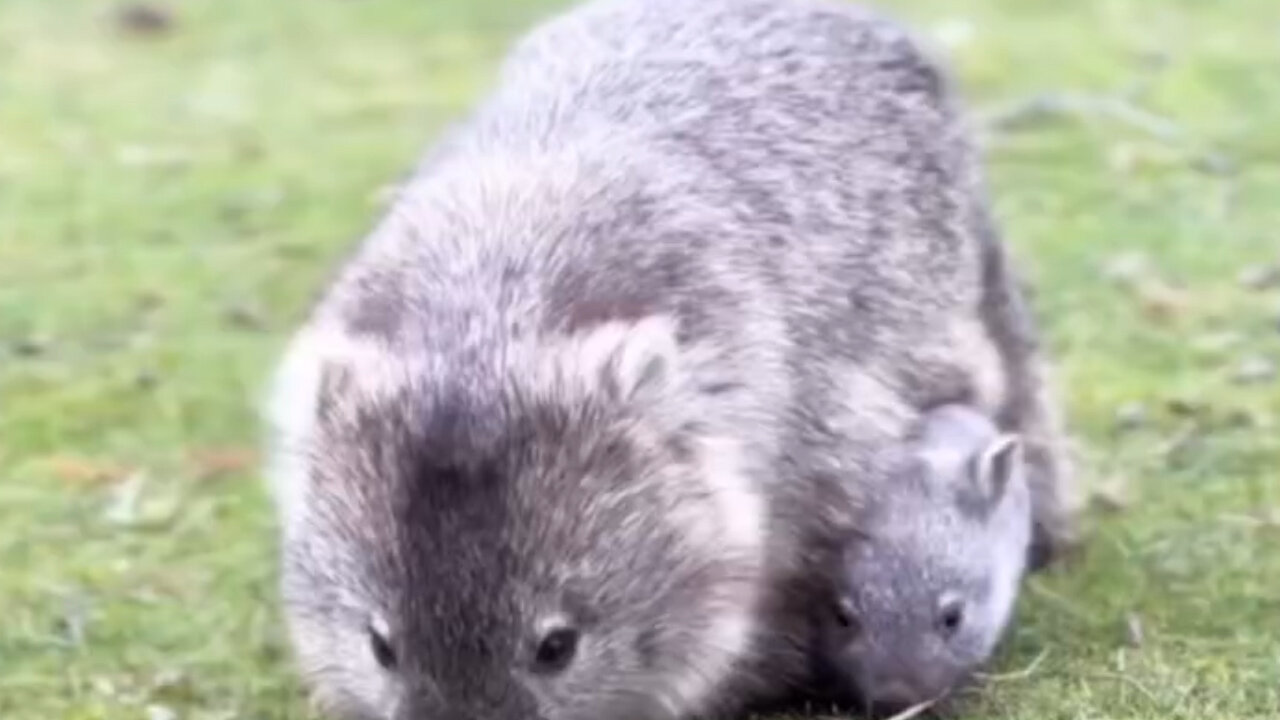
(997, 465)
(632, 358)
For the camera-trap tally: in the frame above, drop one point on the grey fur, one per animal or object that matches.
(582, 372)
(933, 575)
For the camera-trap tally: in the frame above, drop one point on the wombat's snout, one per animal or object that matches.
(886, 695)
(892, 698)
(430, 706)
(884, 679)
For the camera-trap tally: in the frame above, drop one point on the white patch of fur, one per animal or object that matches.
(741, 504)
(971, 343)
(739, 531)
(290, 414)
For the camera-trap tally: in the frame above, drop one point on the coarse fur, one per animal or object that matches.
(554, 441)
(931, 578)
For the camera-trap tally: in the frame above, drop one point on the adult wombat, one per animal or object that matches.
(553, 443)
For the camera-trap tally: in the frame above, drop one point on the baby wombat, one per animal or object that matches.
(933, 577)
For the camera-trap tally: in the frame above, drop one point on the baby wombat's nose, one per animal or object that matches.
(893, 697)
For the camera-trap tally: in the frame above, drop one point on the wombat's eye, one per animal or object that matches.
(950, 617)
(380, 643)
(556, 650)
(845, 618)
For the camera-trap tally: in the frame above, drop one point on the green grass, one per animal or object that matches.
(169, 202)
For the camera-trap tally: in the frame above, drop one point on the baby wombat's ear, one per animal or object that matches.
(996, 465)
(633, 359)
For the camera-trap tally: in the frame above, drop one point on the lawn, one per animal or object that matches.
(175, 186)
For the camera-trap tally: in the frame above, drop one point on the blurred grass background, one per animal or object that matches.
(176, 180)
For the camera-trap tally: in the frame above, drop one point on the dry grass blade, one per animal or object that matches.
(914, 710)
(1022, 674)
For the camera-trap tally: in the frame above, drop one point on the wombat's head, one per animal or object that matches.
(930, 587)
(540, 531)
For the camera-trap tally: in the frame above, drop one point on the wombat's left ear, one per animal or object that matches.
(633, 358)
(996, 466)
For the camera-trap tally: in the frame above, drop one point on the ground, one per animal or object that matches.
(175, 185)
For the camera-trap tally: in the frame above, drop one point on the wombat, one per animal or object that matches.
(552, 442)
(932, 578)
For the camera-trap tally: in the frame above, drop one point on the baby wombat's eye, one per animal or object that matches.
(950, 616)
(380, 643)
(556, 650)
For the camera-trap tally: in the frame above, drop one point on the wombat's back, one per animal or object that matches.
(824, 133)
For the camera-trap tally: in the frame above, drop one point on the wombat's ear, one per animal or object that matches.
(996, 466)
(633, 358)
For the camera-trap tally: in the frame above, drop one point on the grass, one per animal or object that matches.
(170, 200)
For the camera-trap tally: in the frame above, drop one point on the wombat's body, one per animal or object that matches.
(554, 445)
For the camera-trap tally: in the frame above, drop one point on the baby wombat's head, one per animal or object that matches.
(536, 531)
(930, 587)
